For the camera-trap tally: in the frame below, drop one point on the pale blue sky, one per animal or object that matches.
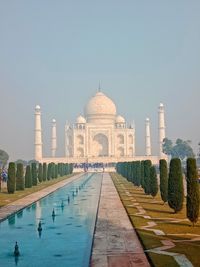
(53, 53)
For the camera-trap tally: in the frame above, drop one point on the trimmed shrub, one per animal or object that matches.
(49, 173)
(20, 177)
(153, 181)
(28, 177)
(34, 173)
(53, 170)
(40, 174)
(192, 205)
(163, 180)
(44, 172)
(56, 170)
(147, 166)
(142, 173)
(175, 185)
(11, 182)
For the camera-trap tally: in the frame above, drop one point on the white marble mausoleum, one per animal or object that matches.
(100, 134)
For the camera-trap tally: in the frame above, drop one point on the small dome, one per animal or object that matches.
(80, 119)
(161, 105)
(120, 119)
(54, 121)
(147, 119)
(37, 107)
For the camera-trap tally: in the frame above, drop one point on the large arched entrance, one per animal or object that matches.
(100, 145)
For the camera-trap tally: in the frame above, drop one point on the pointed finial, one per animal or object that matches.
(99, 89)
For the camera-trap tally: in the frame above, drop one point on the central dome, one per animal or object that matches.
(100, 107)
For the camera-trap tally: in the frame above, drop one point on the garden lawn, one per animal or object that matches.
(176, 227)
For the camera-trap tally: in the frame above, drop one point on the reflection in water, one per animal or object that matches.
(20, 214)
(11, 219)
(63, 236)
(38, 213)
(16, 260)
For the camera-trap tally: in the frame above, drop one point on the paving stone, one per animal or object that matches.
(123, 249)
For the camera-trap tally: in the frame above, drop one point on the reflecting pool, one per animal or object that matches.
(61, 240)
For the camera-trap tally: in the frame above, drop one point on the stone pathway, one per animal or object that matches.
(115, 242)
(19, 204)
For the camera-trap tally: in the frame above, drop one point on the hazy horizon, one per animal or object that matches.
(55, 53)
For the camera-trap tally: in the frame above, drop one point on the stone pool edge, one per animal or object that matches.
(28, 200)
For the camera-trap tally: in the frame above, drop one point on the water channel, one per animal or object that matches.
(65, 239)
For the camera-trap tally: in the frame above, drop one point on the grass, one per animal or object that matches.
(180, 231)
(6, 198)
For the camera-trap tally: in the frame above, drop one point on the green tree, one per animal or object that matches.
(34, 173)
(40, 174)
(142, 173)
(153, 181)
(175, 185)
(181, 149)
(167, 146)
(20, 177)
(163, 180)
(44, 172)
(49, 172)
(138, 173)
(193, 200)
(53, 171)
(11, 183)
(147, 166)
(28, 177)
(56, 170)
(3, 158)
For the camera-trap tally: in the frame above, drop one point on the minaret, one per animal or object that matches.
(38, 134)
(53, 139)
(161, 115)
(148, 137)
(66, 140)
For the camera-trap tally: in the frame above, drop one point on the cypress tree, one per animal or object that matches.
(44, 172)
(163, 180)
(49, 171)
(28, 177)
(40, 174)
(147, 166)
(34, 173)
(138, 173)
(153, 181)
(11, 182)
(192, 205)
(175, 185)
(71, 168)
(56, 170)
(20, 177)
(53, 170)
(142, 173)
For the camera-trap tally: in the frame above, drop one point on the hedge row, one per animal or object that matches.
(171, 182)
(34, 174)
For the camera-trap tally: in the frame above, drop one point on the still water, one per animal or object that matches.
(66, 239)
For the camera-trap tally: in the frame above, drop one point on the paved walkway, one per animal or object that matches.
(115, 242)
(19, 204)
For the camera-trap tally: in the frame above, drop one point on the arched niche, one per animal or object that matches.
(120, 151)
(120, 139)
(130, 139)
(80, 139)
(100, 145)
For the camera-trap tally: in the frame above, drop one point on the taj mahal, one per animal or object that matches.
(100, 135)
